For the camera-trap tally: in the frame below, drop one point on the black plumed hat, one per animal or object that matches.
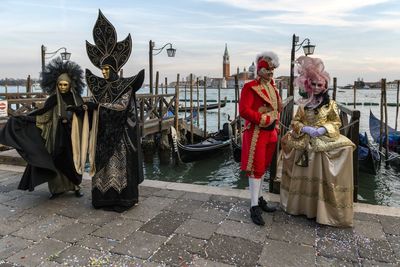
(55, 68)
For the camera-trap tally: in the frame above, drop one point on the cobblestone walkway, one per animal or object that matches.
(179, 228)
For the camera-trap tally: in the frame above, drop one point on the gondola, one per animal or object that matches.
(393, 138)
(368, 156)
(236, 150)
(393, 135)
(201, 107)
(203, 150)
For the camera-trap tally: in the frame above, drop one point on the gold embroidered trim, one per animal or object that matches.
(254, 139)
(263, 122)
(331, 202)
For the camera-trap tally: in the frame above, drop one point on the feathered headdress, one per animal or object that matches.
(310, 70)
(267, 60)
(58, 67)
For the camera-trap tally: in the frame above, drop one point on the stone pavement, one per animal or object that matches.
(181, 225)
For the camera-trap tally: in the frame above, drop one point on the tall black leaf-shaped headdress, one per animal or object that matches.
(107, 50)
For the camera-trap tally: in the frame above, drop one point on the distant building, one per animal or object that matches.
(225, 64)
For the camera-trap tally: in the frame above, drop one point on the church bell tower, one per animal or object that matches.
(226, 64)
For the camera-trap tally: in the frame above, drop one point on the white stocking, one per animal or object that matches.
(254, 186)
(261, 186)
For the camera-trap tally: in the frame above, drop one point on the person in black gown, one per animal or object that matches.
(115, 154)
(43, 137)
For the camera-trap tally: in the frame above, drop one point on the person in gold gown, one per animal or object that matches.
(317, 177)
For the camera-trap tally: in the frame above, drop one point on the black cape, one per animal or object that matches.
(21, 133)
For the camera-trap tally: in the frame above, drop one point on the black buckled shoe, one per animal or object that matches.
(255, 214)
(264, 205)
(78, 193)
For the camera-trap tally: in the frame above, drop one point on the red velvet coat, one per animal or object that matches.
(258, 143)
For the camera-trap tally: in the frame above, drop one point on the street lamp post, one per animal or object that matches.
(308, 50)
(170, 51)
(64, 55)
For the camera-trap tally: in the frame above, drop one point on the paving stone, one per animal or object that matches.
(15, 223)
(8, 185)
(74, 232)
(377, 250)
(293, 232)
(369, 229)
(337, 243)
(118, 229)
(164, 223)
(125, 261)
(147, 191)
(98, 217)
(224, 198)
(196, 228)
(142, 213)
(196, 196)
(391, 225)
(360, 216)
(187, 206)
(280, 253)
(200, 262)
(102, 244)
(139, 244)
(220, 205)
(172, 255)
(169, 193)
(26, 201)
(281, 216)
(394, 242)
(7, 211)
(4, 197)
(209, 215)
(43, 228)
(248, 231)
(190, 244)
(39, 253)
(47, 208)
(242, 214)
(5, 264)
(323, 261)
(369, 263)
(78, 256)
(11, 244)
(233, 250)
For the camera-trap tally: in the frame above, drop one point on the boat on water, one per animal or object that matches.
(368, 156)
(393, 135)
(393, 139)
(209, 106)
(205, 149)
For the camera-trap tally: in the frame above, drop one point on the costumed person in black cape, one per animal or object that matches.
(43, 137)
(114, 148)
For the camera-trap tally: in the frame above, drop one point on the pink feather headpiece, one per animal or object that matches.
(310, 69)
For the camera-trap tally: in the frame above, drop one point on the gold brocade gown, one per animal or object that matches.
(317, 176)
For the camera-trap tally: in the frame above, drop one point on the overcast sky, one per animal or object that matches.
(355, 38)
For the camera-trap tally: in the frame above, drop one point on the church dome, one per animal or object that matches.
(252, 68)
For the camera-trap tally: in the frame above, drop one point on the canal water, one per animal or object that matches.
(223, 171)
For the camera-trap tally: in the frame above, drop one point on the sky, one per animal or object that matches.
(354, 38)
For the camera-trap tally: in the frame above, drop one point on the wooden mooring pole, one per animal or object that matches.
(386, 122)
(219, 106)
(334, 88)
(354, 95)
(176, 122)
(198, 102)
(205, 107)
(191, 109)
(397, 104)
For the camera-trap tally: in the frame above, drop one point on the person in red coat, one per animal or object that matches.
(260, 105)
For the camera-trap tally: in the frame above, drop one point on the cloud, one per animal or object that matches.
(338, 13)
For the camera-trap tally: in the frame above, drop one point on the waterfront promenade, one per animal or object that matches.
(182, 225)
